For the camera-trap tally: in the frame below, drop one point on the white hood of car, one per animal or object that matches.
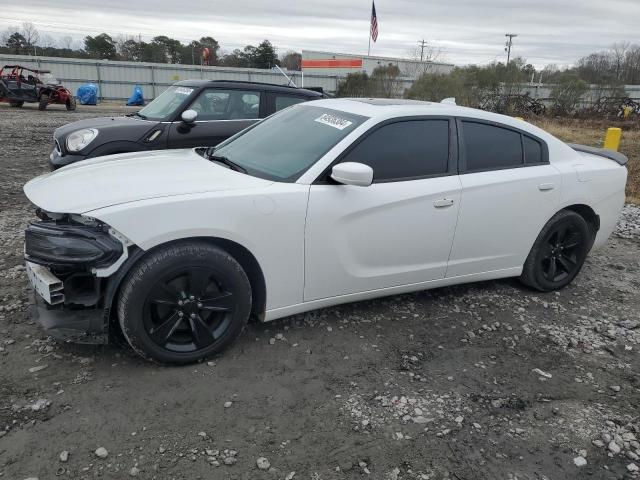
(128, 177)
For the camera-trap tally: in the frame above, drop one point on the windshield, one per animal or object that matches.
(286, 144)
(167, 103)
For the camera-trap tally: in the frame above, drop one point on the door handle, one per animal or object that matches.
(545, 187)
(443, 202)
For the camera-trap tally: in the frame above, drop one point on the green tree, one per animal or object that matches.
(566, 94)
(386, 81)
(237, 58)
(101, 46)
(354, 85)
(16, 43)
(291, 61)
(131, 50)
(245, 58)
(170, 49)
(264, 55)
(213, 46)
(434, 87)
(192, 53)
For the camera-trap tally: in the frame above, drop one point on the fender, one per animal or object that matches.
(113, 284)
(118, 146)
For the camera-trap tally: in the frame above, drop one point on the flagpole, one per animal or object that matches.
(370, 16)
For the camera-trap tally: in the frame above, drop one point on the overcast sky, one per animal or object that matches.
(467, 31)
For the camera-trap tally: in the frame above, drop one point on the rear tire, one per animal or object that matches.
(558, 253)
(70, 104)
(184, 302)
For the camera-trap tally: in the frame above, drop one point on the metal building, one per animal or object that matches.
(341, 64)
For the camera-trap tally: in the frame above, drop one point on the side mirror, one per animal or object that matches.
(189, 116)
(352, 173)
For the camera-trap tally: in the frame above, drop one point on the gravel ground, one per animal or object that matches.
(482, 381)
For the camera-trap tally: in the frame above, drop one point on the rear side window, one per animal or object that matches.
(284, 101)
(218, 104)
(405, 150)
(489, 147)
(532, 150)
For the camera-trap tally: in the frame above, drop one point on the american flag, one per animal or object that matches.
(374, 22)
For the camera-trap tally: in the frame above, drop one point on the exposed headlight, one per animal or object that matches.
(80, 139)
(51, 244)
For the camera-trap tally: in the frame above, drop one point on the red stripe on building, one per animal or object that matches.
(333, 63)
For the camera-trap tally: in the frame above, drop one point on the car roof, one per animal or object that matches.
(237, 83)
(380, 109)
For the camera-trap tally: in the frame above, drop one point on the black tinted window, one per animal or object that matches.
(408, 149)
(532, 150)
(284, 101)
(490, 147)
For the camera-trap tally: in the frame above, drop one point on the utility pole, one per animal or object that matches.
(507, 47)
(422, 44)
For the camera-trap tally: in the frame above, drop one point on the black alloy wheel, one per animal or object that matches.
(558, 253)
(188, 309)
(561, 252)
(184, 302)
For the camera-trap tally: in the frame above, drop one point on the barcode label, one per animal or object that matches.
(334, 121)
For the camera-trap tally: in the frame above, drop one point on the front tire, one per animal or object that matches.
(43, 102)
(184, 302)
(70, 104)
(558, 253)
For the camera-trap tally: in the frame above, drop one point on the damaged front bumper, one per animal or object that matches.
(69, 266)
(87, 325)
(74, 324)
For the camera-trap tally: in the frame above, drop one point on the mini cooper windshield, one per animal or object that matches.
(285, 145)
(166, 104)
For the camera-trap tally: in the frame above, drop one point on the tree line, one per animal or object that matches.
(160, 49)
(499, 86)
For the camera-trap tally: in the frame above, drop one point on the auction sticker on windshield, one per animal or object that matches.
(334, 121)
(184, 90)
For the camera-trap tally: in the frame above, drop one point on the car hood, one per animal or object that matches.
(129, 177)
(132, 127)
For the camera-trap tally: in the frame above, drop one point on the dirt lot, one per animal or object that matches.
(434, 385)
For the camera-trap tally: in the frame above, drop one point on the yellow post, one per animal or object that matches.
(626, 112)
(612, 139)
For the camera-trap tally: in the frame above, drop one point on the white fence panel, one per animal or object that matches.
(115, 80)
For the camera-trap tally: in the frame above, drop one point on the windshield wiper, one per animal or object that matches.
(136, 114)
(225, 161)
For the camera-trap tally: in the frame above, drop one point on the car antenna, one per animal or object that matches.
(276, 67)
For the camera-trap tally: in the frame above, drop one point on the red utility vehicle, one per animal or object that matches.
(20, 84)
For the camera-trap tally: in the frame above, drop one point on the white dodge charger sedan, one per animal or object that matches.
(323, 203)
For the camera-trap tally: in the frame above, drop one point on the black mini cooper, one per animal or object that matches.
(190, 113)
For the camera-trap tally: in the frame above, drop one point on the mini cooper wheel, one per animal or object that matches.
(184, 303)
(558, 253)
